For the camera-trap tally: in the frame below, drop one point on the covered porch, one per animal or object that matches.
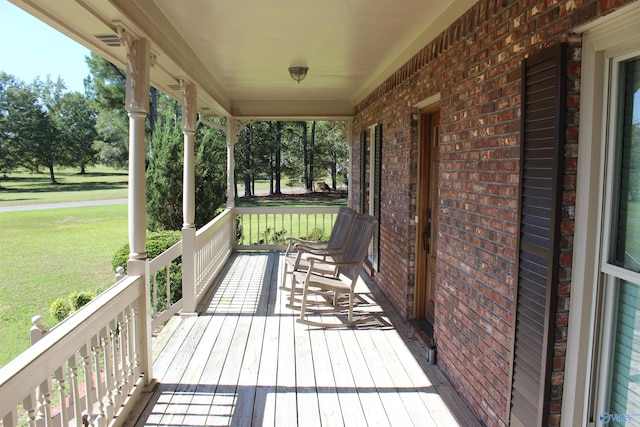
(245, 361)
(239, 358)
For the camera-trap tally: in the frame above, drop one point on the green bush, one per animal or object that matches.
(62, 307)
(157, 243)
(80, 299)
(317, 234)
(272, 237)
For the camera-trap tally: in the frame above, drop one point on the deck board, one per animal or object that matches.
(244, 361)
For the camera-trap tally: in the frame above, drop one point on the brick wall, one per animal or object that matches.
(475, 66)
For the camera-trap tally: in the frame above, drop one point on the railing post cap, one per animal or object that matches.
(37, 320)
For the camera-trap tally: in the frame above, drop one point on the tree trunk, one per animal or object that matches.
(83, 170)
(247, 163)
(153, 117)
(313, 141)
(52, 175)
(305, 159)
(278, 161)
(334, 170)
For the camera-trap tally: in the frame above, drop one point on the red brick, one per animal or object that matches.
(475, 67)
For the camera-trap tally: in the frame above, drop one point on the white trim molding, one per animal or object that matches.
(604, 35)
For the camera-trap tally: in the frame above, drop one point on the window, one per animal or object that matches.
(604, 278)
(618, 392)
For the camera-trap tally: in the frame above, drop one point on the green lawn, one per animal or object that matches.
(99, 183)
(50, 253)
(45, 254)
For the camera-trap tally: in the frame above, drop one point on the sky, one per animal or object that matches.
(29, 48)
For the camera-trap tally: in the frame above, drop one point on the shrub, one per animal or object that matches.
(80, 299)
(157, 243)
(62, 307)
(317, 234)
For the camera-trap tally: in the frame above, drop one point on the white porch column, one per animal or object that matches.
(233, 128)
(189, 290)
(137, 105)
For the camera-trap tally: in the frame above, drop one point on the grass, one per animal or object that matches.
(47, 254)
(99, 183)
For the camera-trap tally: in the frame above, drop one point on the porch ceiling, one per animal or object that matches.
(238, 51)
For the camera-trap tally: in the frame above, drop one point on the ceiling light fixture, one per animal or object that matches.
(298, 73)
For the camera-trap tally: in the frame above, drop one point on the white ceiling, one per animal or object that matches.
(238, 51)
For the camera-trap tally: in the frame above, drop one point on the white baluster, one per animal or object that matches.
(97, 351)
(43, 395)
(10, 419)
(64, 409)
(116, 337)
(154, 294)
(131, 355)
(85, 352)
(74, 390)
(108, 369)
(29, 404)
(134, 339)
(124, 349)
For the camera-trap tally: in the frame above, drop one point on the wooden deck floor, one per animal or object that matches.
(244, 361)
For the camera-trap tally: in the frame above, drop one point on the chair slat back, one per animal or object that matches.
(341, 228)
(357, 245)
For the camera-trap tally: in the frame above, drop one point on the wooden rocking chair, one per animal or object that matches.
(298, 250)
(348, 267)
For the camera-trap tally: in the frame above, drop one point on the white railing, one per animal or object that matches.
(91, 367)
(266, 228)
(214, 243)
(82, 371)
(164, 306)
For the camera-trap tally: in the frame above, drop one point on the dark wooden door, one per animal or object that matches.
(427, 216)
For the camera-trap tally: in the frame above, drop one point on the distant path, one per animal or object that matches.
(61, 205)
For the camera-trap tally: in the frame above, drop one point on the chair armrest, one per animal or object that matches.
(318, 260)
(318, 250)
(295, 240)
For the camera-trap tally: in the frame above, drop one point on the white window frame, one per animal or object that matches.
(601, 40)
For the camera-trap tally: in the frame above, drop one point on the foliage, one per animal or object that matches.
(112, 142)
(272, 237)
(42, 126)
(62, 307)
(76, 121)
(106, 90)
(164, 180)
(157, 243)
(165, 175)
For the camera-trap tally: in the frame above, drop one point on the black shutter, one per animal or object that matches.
(543, 132)
(363, 169)
(377, 188)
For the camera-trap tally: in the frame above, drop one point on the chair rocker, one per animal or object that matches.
(348, 268)
(298, 250)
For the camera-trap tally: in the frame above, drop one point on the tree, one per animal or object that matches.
(8, 158)
(164, 176)
(106, 90)
(31, 132)
(76, 121)
(331, 152)
(164, 180)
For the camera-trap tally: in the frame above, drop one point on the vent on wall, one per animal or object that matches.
(174, 87)
(111, 40)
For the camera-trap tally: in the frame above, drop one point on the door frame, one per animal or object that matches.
(425, 109)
